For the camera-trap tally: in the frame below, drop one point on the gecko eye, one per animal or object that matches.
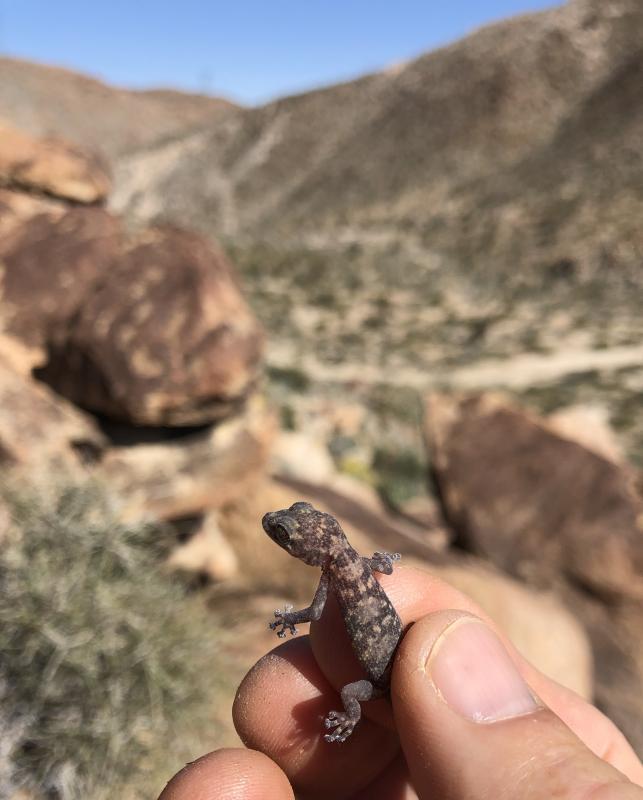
(281, 534)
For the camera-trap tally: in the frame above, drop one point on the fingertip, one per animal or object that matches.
(280, 708)
(229, 774)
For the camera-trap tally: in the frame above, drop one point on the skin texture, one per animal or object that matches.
(416, 746)
(373, 624)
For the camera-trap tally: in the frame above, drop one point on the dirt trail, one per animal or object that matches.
(518, 372)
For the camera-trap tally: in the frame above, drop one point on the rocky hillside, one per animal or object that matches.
(472, 216)
(43, 100)
(460, 146)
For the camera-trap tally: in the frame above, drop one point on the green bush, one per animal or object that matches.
(104, 660)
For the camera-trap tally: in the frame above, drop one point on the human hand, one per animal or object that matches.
(462, 722)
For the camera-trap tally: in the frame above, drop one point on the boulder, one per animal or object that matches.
(534, 503)
(165, 338)
(51, 167)
(298, 455)
(207, 552)
(51, 264)
(188, 475)
(39, 431)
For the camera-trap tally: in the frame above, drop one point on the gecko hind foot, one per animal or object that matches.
(343, 724)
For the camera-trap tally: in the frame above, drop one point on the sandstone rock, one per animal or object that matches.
(207, 552)
(185, 476)
(16, 207)
(50, 266)
(40, 431)
(588, 425)
(540, 626)
(50, 167)
(297, 455)
(165, 338)
(532, 502)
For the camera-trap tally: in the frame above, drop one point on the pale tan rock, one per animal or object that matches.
(17, 207)
(40, 431)
(51, 167)
(589, 426)
(200, 471)
(207, 552)
(538, 624)
(297, 455)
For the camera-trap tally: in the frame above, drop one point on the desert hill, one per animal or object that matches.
(44, 100)
(415, 146)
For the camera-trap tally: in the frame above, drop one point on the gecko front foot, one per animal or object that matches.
(285, 619)
(343, 724)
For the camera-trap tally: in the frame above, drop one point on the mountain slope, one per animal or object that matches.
(45, 100)
(398, 147)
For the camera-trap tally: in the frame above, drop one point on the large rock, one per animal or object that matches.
(50, 167)
(164, 338)
(51, 264)
(536, 504)
(152, 329)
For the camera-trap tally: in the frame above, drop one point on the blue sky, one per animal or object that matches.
(248, 50)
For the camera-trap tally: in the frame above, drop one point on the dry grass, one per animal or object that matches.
(104, 658)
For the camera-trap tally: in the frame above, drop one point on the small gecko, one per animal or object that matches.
(373, 624)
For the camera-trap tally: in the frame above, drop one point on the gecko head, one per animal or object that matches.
(305, 533)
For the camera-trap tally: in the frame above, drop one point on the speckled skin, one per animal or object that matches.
(373, 624)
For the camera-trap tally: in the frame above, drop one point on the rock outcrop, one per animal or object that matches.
(51, 167)
(532, 502)
(163, 338)
(40, 432)
(186, 476)
(51, 265)
(545, 507)
(150, 327)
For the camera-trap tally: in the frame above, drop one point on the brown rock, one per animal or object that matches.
(16, 207)
(40, 431)
(50, 167)
(50, 265)
(165, 338)
(194, 473)
(534, 503)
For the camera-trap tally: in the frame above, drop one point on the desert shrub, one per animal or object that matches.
(292, 378)
(400, 475)
(103, 657)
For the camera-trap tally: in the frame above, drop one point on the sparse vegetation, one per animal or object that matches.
(401, 475)
(103, 655)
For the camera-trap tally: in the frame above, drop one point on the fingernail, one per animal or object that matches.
(475, 676)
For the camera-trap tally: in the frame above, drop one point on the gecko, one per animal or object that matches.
(373, 624)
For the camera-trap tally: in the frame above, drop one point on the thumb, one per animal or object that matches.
(472, 729)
